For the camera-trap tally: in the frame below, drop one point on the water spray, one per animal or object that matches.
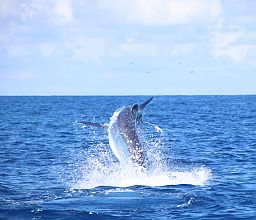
(157, 128)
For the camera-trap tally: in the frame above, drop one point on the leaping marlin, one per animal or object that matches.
(122, 132)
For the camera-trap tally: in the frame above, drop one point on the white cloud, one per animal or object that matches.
(59, 11)
(181, 49)
(6, 7)
(237, 53)
(87, 48)
(163, 12)
(17, 50)
(230, 45)
(138, 49)
(63, 10)
(246, 19)
(29, 10)
(221, 40)
(47, 49)
(16, 76)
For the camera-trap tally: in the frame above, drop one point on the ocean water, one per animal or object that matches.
(200, 150)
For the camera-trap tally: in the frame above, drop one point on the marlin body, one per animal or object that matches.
(122, 132)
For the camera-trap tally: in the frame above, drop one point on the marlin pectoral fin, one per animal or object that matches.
(98, 125)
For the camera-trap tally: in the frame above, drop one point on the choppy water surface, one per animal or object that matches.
(201, 166)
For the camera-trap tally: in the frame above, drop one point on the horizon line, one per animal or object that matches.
(102, 95)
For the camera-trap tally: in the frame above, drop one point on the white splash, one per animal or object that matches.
(157, 128)
(97, 171)
(118, 175)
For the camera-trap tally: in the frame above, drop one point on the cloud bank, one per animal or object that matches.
(163, 12)
(129, 37)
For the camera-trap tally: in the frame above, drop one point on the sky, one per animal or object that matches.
(127, 47)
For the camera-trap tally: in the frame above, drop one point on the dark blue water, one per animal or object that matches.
(202, 166)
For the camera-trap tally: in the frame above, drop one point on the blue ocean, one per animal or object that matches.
(200, 150)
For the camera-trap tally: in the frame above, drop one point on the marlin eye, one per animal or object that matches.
(135, 108)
